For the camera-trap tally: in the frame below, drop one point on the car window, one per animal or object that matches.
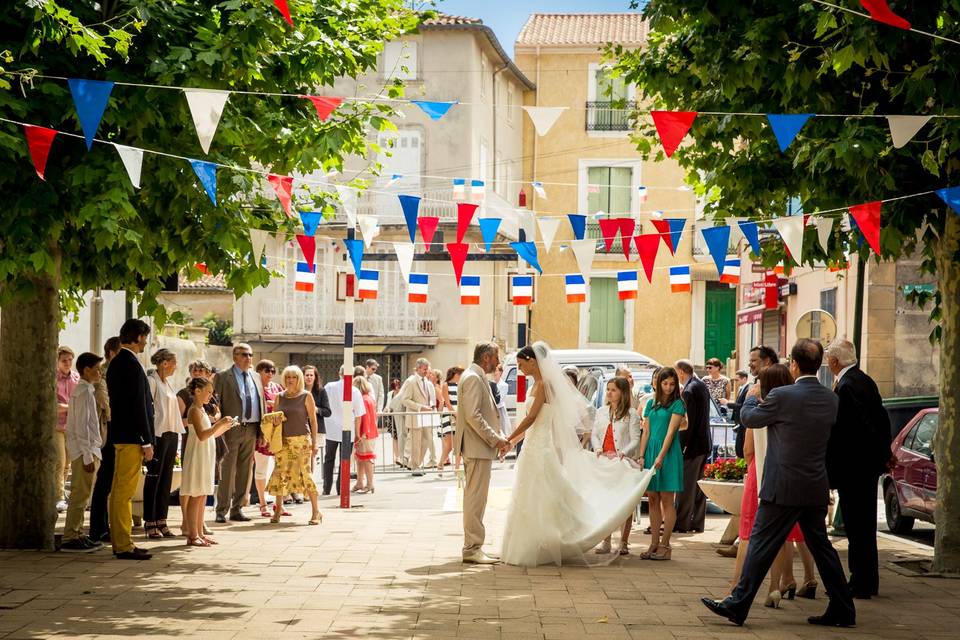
(926, 429)
(512, 382)
(908, 440)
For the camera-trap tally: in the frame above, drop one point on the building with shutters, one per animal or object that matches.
(589, 165)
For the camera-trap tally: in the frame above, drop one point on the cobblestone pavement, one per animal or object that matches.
(390, 568)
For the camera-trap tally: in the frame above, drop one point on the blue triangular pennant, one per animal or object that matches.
(488, 229)
(310, 220)
(435, 110)
(207, 172)
(751, 232)
(717, 239)
(355, 250)
(90, 97)
(578, 223)
(411, 206)
(951, 196)
(676, 230)
(855, 228)
(786, 126)
(527, 251)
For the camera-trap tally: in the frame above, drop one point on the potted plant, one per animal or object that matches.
(723, 484)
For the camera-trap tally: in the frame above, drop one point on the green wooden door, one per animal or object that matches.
(721, 321)
(606, 312)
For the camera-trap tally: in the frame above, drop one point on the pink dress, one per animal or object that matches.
(368, 426)
(749, 504)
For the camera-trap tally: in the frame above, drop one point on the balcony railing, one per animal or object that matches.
(609, 115)
(380, 318)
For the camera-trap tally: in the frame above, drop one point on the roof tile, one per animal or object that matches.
(580, 29)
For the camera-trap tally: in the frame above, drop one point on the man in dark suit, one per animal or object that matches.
(862, 428)
(241, 395)
(131, 432)
(798, 419)
(695, 444)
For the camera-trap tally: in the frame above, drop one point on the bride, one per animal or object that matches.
(565, 499)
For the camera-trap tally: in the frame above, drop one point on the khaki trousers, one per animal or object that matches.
(475, 503)
(81, 487)
(126, 477)
(416, 445)
(62, 464)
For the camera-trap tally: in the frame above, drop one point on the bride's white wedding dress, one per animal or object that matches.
(565, 500)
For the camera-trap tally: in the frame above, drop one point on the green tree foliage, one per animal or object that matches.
(801, 57)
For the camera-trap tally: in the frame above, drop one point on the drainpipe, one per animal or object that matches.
(533, 196)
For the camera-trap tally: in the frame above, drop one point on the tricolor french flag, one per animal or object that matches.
(522, 290)
(470, 290)
(576, 288)
(459, 188)
(417, 289)
(477, 189)
(369, 283)
(731, 271)
(305, 277)
(680, 278)
(627, 285)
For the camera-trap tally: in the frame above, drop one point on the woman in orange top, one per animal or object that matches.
(616, 434)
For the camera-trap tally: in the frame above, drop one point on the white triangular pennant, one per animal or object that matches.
(824, 227)
(133, 161)
(903, 128)
(258, 240)
(206, 107)
(404, 251)
(791, 230)
(548, 231)
(348, 200)
(528, 222)
(584, 251)
(369, 228)
(543, 118)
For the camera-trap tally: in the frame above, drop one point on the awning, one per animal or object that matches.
(750, 315)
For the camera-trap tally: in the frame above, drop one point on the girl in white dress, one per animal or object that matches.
(198, 461)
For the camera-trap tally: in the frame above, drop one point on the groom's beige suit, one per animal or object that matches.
(476, 438)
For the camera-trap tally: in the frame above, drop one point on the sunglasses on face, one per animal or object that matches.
(270, 370)
(245, 355)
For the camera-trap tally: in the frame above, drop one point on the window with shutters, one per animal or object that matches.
(607, 312)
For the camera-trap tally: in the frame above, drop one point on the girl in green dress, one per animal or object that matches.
(661, 451)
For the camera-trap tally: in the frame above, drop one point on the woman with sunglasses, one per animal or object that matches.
(262, 456)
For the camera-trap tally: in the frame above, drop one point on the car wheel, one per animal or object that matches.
(896, 521)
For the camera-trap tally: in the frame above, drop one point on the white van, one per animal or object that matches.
(601, 361)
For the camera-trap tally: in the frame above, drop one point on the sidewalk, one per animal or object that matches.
(391, 569)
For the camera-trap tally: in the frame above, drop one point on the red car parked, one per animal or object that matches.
(910, 490)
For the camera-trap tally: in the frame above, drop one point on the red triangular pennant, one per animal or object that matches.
(663, 230)
(308, 245)
(458, 255)
(609, 227)
(283, 186)
(881, 12)
(39, 140)
(627, 226)
(867, 216)
(324, 105)
(202, 267)
(285, 10)
(672, 126)
(647, 246)
(428, 227)
(465, 213)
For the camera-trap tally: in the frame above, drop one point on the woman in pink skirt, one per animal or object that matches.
(366, 437)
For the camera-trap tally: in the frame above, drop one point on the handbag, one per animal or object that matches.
(272, 426)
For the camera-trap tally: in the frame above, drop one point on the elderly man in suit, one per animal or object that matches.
(417, 395)
(131, 432)
(241, 395)
(798, 419)
(370, 368)
(695, 444)
(479, 440)
(862, 426)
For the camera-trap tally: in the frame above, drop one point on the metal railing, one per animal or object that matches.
(609, 115)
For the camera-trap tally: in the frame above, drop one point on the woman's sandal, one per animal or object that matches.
(316, 519)
(663, 552)
(276, 515)
(210, 541)
(150, 528)
(197, 542)
(624, 549)
(648, 554)
(264, 512)
(165, 530)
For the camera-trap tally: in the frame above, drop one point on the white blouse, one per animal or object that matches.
(166, 409)
(626, 431)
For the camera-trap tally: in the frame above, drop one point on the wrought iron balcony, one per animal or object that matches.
(609, 115)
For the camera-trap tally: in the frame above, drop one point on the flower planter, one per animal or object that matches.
(725, 495)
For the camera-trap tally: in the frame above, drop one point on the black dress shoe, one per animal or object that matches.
(239, 517)
(136, 554)
(721, 609)
(221, 519)
(832, 620)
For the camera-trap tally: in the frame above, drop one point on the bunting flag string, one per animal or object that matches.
(355, 251)
(283, 187)
(548, 231)
(609, 228)
(284, 10)
(132, 159)
(477, 189)
(543, 118)
(90, 98)
(642, 194)
(647, 246)
(324, 105)
(791, 230)
(470, 290)
(904, 128)
(867, 216)
(458, 255)
(308, 246)
(405, 251)
(538, 188)
(368, 284)
(717, 239)
(522, 290)
(434, 109)
(627, 225)
(206, 107)
(417, 284)
(459, 188)
(576, 288)
(411, 207)
(258, 242)
(751, 232)
(39, 140)
(578, 223)
(824, 228)
(627, 284)
(671, 230)
(428, 228)
(881, 12)
(207, 174)
(672, 127)
(527, 251)
(348, 200)
(680, 278)
(305, 277)
(310, 221)
(488, 230)
(731, 271)
(787, 126)
(951, 197)
(584, 250)
(369, 228)
(465, 213)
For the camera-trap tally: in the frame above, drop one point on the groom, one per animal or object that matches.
(479, 441)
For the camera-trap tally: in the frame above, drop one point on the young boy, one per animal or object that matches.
(83, 451)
